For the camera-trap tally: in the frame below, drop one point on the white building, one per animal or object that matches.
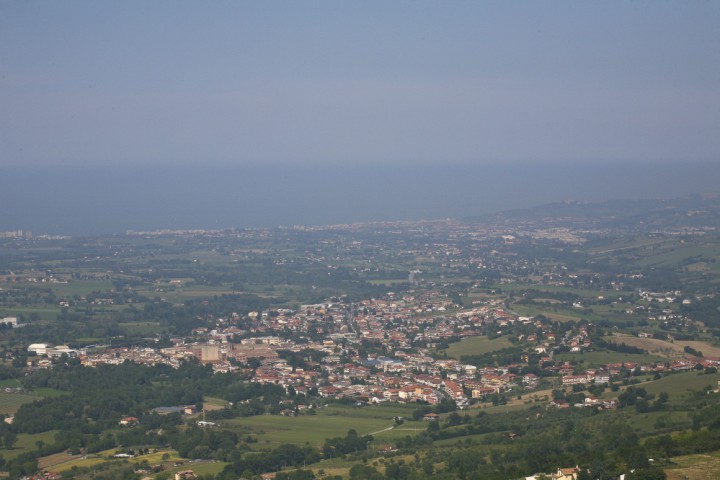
(12, 321)
(38, 348)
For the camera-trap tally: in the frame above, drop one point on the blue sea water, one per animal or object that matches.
(95, 200)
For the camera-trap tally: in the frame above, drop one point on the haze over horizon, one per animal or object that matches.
(185, 114)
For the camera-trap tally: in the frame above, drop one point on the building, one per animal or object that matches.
(12, 321)
(38, 348)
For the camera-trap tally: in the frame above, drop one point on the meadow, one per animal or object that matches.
(10, 402)
(328, 422)
(477, 345)
(596, 359)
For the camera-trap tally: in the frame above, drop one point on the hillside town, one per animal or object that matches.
(384, 350)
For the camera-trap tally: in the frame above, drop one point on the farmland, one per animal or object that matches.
(325, 347)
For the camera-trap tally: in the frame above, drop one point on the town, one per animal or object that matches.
(360, 347)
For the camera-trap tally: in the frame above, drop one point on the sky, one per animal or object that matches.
(327, 82)
(148, 88)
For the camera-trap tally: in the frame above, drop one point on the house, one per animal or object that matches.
(11, 321)
(574, 379)
(566, 474)
(38, 348)
(602, 378)
(431, 417)
(129, 421)
(481, 392)
(561, 474)
(185, 475)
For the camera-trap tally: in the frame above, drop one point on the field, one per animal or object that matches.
(331, 421)
(695, 467)
(534, 310)
(704, 347)
(213, 403)
(10, 402)
(200, 468)
(62, 462)
(665, 348)
(681, 383)
(476, 346)
(595, 359)
(142, 328)
(27, 442)
(648, 423)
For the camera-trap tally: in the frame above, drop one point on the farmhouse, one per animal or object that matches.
(129, 421)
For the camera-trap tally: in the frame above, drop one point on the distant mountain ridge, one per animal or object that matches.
(694, 211)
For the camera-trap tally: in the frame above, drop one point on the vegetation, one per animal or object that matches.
(384, 307)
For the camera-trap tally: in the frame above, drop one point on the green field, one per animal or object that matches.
(553, 313)
(647, 423)
(695, 467)
(595, 359)
(388, 281)
(42, 311)
(201, 468)
(580, 292)
(80, 287)
(142, 328)
(27, 442)
(331, 421)
(476, 346)
(682, 383)
(49, 392)
(10, 402)
(675, 254)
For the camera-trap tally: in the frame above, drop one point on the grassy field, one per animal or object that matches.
(214, 403)
(695, 467)
(581, 292)
(59, 462)
(43, 311)
(200, 468)
(80, 287)
(331, 421)
(664, 348)
(595, 359)
(704, 347)
(647, 423)
(62, 462)
(533, 310)
(674, 254)
(10, 402)
(477, 346)
(388, 281)
(27, 442)
(49, 392)
(682, 383)
(142, 328)
(624, 244)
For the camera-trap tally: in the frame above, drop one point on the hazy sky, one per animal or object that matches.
(358, 82)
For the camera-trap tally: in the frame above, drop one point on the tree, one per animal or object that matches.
(648, 473)
(9, 439)
(364, 472)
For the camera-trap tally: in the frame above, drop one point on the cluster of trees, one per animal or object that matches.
(285, 455)
(505, 356)
(350, 443)
(90, 401)
(617, 347)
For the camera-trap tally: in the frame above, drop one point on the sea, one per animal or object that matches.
(92, 200)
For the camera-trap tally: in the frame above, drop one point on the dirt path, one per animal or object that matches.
(383, 430)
